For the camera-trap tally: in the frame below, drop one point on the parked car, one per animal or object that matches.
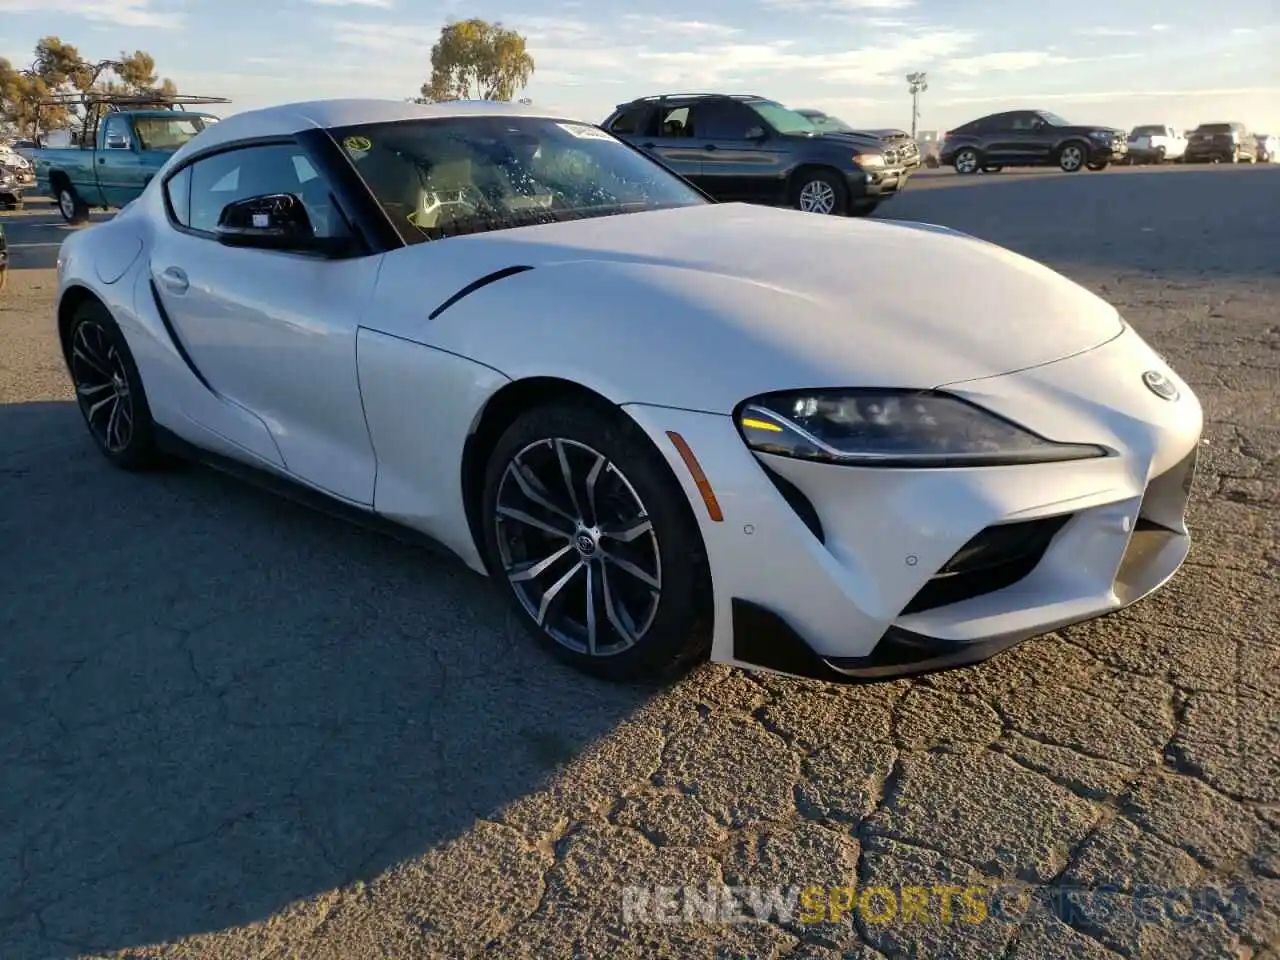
(4, 258)
(663, 426)
(1156, 143)
(120, 151)
(11, 190)
(17, 164)
(1268, 147)
(1031, 138)
(1221, 142)
(747, 148)
(899, 147)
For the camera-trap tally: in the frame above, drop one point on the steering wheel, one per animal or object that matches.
(468, 199)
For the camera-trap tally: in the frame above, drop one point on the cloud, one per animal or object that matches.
(1160, 27)
(124, 13)
(1116, 95)
(1107, 32)
(1007, 62)
(1243, 31)
(637, 23)
(379, 4)
(840, 6)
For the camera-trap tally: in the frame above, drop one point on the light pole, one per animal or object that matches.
(919, 83)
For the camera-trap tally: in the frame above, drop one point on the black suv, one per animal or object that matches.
(1224, 142)
(1031, 138)
(752, 149)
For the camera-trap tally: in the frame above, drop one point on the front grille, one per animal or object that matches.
(996, 558)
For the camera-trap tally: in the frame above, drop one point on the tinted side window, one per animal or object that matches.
(1023, 122)
(178, 190)
(257, 171)
(675, 122)
(630, 120)
(719, 120)
(117, 128)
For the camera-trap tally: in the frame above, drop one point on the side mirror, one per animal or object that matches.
(756, 133)
(273, 221)
(117, 141)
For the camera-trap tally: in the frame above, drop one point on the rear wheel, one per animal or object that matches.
(109, 390)
(72, 208)
(596, 544)
(967, 161)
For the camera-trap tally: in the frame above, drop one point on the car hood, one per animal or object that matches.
(769, 299)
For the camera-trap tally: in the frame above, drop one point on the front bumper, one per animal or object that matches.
(846, 573)
(875, 185)
(1108, 152)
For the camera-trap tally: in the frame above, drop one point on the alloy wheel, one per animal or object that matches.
(578, 547)
(1072, 158)
(102, 386)
(966, 162)
(817, 196)
(66, 204)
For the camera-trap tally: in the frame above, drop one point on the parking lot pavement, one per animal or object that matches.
(232, 728)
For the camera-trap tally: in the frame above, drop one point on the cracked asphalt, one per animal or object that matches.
(233, 728)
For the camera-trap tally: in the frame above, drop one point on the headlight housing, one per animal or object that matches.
(868, 160)
(894, 428)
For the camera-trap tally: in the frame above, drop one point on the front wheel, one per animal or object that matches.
(821, 192)
(967, 161)
(595, 543)
(1072, 157)
(1099, 165)
(72, 208)
(992, 168)
(109, 390)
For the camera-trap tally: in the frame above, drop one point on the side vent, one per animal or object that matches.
(475, 285)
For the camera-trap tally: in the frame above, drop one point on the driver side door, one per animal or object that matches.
(272, 331)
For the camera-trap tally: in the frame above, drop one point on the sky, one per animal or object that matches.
(1113, 62)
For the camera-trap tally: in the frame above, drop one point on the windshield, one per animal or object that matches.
(1054, 119)
(781, 119)
(437, 178)
(1148, 131)
(827, 122)
(169, 133)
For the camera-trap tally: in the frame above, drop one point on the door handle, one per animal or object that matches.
(175, 280)
(710, 146)
(102, 159)
(646, 146)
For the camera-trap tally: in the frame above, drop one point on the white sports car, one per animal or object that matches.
(827, 447)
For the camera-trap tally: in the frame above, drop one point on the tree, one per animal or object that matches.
(477, 60)
(57, 67)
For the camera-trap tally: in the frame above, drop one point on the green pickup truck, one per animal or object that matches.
(123, 142)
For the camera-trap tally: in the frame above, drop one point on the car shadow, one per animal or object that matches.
(215, 703)
(1088, 219)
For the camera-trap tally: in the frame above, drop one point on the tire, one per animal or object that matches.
(637, 637)
(109, 390)
(1160, 155)
(820, 191)
(1073, 156)
(967, 161)
(1099, 166)
(993, 168)
(73, 209)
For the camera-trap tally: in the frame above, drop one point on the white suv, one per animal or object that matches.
(1156, 143)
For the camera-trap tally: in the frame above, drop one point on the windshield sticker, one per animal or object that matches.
(358, 144)
(584, 132)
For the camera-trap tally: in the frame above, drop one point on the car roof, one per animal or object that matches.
(291, 118)
(689, 97)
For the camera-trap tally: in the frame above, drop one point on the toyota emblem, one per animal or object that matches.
(1160, 385)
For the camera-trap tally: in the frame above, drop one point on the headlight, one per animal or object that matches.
(1100, 134)
(868, 160)
(894, 428)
